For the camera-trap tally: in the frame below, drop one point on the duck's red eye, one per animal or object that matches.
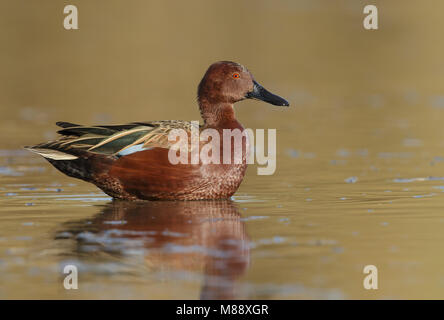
(236, 75)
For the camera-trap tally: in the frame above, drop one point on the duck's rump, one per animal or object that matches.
(109, 140)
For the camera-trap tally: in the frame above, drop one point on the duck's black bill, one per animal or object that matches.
(260, 93)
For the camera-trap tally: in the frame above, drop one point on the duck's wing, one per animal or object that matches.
(109, 140)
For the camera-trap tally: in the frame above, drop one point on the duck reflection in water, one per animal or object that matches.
(205, 237)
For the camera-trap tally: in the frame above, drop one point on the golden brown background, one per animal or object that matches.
(364, 103)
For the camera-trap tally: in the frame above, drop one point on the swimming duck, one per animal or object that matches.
(131, 161)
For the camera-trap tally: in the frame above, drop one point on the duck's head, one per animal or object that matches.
(230, 82)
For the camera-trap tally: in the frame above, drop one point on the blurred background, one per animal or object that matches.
(360, 154)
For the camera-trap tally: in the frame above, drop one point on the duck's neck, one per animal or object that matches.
(218, 115)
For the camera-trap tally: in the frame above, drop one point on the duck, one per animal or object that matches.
(132, 161)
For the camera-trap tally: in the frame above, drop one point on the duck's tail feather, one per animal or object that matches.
(51, 153)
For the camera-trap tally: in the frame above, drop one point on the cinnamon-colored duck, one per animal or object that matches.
(131, 161)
